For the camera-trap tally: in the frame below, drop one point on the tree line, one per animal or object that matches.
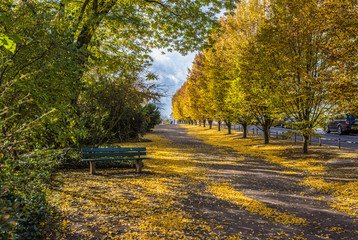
(268, 60)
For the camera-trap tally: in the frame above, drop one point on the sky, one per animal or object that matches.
(171, 69)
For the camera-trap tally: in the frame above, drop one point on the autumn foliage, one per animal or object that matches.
(271, 60)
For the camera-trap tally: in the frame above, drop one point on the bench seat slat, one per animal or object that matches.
(112, 149)
(93, 155)
(112, 154)
(111, 159)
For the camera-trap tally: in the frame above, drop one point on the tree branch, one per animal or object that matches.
(163, 5)
(28, 64)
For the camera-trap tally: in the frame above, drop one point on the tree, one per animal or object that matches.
(180, 103)
(111, 105)
(339, 23)
(200, 105)
(253, 80)
(296, 37)
(172, 24)
(152, 115)
(240, 108)
(42, 69)
(194, 80)
(22, 205)
(217, 69)
(62, 41)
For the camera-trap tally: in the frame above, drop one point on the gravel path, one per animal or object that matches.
(262, 181)
(190, 189)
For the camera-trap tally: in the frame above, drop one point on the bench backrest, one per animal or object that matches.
(95, 153)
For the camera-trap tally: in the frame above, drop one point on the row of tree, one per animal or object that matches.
(273, 59)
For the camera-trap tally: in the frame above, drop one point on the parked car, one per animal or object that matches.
(286, 122)
(342, 124)
(289, 122)
(279, 123)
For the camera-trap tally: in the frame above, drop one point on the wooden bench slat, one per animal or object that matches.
(93, 155)
(112, 154)
(113, 149)
(111, 159)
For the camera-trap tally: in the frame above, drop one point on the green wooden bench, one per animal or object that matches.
(93, 155)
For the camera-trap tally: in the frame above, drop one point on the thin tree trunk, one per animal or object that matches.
(210, 124)
(244, 126)
(204, 122)
(305, 143)
(266, 130)
(219, 126)
(266, 124)
(228, 124)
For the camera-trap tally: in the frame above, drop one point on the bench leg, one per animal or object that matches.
(92, 167)
(138, 165)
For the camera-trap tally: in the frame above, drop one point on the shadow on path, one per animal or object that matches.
(262, 181)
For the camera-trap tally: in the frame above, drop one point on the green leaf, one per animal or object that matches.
(15, 37)
(7, 42)
(5, 19)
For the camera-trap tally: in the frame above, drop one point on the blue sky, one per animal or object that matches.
(172, 69)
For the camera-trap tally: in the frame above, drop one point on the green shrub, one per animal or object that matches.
(24, 182)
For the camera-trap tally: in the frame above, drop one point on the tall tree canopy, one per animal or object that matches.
(217, 69)
(285, 58)
(295, 38)
(199, 105)
(66, 49)
(253, 80)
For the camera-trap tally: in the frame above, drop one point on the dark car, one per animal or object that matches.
(286, 122)
(279, 123)
(343, 124)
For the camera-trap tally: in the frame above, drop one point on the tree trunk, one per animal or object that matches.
(244, 127)
(204, 122)
(266, 124)
(85, 36)
(305, 143)
(90, 26)
(228, 124)
(219, 126)
(266, 129)
(210, 124)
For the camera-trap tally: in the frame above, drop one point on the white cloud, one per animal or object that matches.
(172, 69)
